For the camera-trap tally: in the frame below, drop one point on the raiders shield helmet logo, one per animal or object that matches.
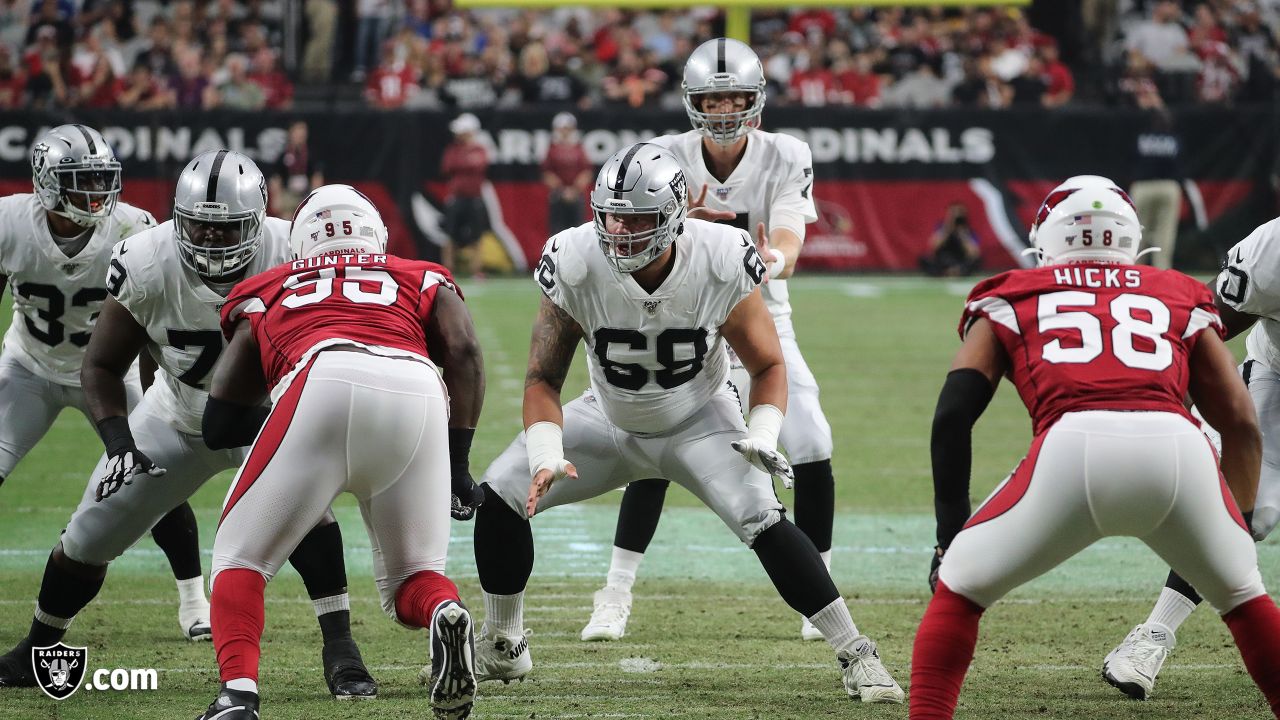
(59, 669)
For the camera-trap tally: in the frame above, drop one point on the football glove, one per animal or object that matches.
(466, 498)
(935, 563)
(771, 461)
(123, 464)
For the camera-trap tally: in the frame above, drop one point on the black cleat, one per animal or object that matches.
(15, 666)
(232, 705)
(452, 673)
(345, 672)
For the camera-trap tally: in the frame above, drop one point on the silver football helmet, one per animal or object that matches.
(218, 210)
(723, 65)
(642, 179)
(76, 174)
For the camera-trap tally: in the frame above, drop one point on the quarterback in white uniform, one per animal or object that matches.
(1247, 294)
(760, 182)
(167, 286)
(656, 298)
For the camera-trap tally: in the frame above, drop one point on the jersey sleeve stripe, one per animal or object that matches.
(1201, 319)
(997, 310)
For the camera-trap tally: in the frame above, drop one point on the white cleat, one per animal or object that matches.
(194, 622)
(1133, 665)
(808, 632)
(609, 619)
(864, 677)
(500, 657)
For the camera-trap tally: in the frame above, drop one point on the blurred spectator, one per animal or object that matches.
(465, 165)
(52, 14)
(393, 82)
(295, 174)
(144, 91)
(1030, 87)
(921, 88)
(267, 75)
(158, 51)
(191, 88)
(13, 82)
(1218, 78)
(1156, 190)
(238, 92)
(1162, 40)
(373, 23)
(1062, 84)
(815, 24)
(857, 81)
(1137, 86)
(48, 71)
(631, 83)
(473, 89)
(322, 24)
(980, 86)
(812, 84)
(544, 79)
(567, 174)
(953, 246)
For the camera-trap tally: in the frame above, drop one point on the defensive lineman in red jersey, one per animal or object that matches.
(1102, 352)
(347, 339)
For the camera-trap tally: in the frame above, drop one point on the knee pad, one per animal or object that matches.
(751, 528)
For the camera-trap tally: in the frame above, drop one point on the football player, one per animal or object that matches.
(55, 244)
(346, 339)
(760, 182)
(1102, 352)
(655, 297)
(1246, 292)
(166, 287)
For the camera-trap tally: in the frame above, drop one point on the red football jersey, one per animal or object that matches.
(373, 300)
(1095, 336)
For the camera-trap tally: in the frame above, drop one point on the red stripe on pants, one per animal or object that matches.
(268, 442)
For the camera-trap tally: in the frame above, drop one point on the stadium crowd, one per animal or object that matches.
(152, 54)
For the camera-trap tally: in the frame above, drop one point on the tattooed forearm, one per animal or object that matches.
(555, 338)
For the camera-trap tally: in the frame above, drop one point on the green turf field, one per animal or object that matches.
(708, 637)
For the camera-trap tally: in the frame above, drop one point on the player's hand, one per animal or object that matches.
(542, 483)
(934, 564)
(765, 250)
(698, 209)
(770, 461)
(121, 467)
(465, 497)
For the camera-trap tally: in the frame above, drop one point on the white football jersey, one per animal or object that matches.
(1250, 283)
(180, 312)
(55, 297)
(654, 359)
(773, 184)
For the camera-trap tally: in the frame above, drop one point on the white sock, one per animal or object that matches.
(243, 685)
(504, 614)
(191, 593)
(1171, 610)
(826, 560)
(836, 625)
(622, 569)
(333, 603)
(52, 621)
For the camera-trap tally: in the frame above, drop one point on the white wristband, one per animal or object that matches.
(763, 426)
(777, 264)
(545, 444)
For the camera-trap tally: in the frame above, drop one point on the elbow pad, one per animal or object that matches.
(228, 425)
(964, 397)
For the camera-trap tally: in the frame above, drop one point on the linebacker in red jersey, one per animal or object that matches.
(342, 338)
(1102, 352)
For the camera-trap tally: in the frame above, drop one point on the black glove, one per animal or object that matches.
(934, 563)
(124, 459)
(467, 496)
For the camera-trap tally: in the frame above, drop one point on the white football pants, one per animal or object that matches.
(806, 434)
(696, 455)
(374, 426)
(1149, 475)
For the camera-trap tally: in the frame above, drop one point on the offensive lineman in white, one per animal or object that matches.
(167, 285)
(55, 244)
(1247, 294)
(760, 182)
(656, 297)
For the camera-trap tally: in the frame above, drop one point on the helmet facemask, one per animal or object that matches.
(628, 252)
(725, 128)
(85, 193)
(216, 243)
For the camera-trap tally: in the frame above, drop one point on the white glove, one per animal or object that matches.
(770, 461)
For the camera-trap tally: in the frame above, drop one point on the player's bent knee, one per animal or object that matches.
(1230, 596)
(752, 528)
(1265, 519)
(224, 563)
